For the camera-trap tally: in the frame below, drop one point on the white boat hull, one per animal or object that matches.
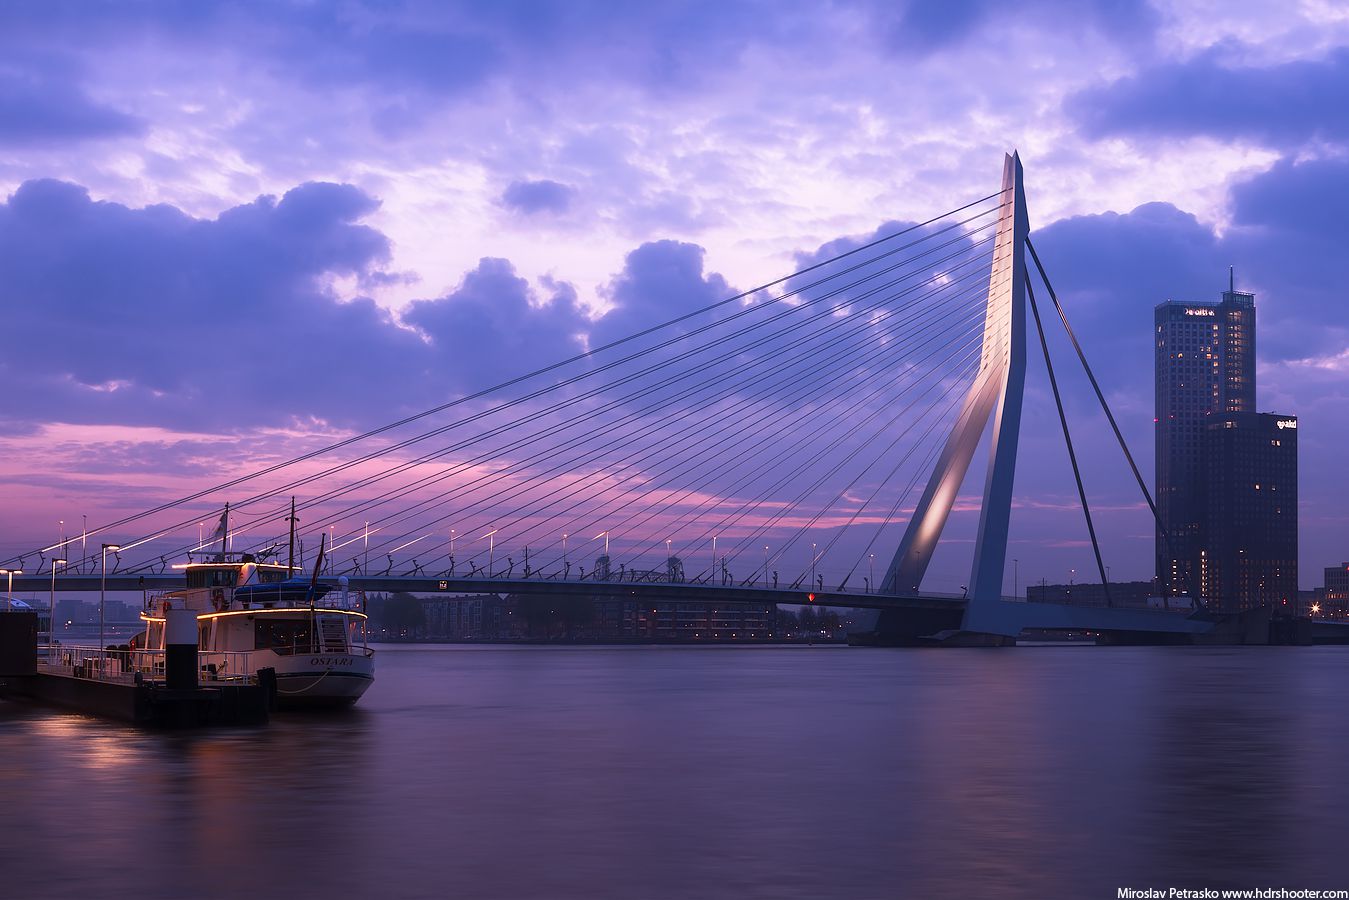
(321, 679)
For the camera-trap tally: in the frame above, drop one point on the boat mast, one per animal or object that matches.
(290, 561)
(225, 532)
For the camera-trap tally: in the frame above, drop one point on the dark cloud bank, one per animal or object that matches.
(1283, 105)
(149, 316)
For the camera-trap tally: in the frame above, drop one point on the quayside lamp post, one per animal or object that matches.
(9, 594)
(51, 606)
(103, 587)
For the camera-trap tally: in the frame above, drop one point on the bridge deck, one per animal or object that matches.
(421, 584)
(1045, 616)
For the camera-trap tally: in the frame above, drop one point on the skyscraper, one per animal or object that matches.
(1248, 557)
(1205, 368)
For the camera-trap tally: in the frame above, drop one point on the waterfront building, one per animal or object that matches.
(669, 620)
(1334, 596)
(454, 618)
(1337, 582)
(1248, 553)
(1205, 368)
(1091, 593)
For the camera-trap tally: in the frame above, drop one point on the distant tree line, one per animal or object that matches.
(810, 621)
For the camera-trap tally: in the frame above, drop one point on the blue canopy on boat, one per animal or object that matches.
(289, 592)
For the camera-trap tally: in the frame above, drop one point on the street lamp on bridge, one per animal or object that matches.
(491, 550)
(103, 586)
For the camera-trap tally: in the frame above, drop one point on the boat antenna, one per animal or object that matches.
(290, 562)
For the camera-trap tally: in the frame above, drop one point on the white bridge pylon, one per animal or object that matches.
(994, 397)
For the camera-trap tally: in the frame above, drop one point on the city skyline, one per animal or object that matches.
(444, 258)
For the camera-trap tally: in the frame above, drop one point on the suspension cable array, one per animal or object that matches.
(777, 432)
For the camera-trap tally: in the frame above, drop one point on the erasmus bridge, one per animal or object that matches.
(716, 457)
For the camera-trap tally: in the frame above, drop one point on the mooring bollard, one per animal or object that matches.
(180, 649)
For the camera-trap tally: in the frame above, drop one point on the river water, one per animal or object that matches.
(712, 772)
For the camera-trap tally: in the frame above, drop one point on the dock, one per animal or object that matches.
(172, 688)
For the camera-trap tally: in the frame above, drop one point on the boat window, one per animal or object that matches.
(282, 635)
(221, 577)
(271, 576)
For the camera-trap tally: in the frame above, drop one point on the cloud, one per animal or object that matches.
(151, 315)
(494, 327)
(538, 196)
(40, 109)
(928, 26)
(1282, 105)
(660, 280)
(1287, 238)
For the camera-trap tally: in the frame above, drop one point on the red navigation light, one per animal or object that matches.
(811, 597)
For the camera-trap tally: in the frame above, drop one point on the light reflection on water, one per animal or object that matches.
(663, 772)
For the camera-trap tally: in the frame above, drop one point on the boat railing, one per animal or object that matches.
(152, 597)
(333, 599)
(130, 666)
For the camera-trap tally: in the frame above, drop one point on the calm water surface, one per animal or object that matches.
(709, 772)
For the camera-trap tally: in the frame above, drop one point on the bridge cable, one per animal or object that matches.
(677, 377)
(810, 524)
(771, 443)
(645, 390)
(692, 390)
(800, 497)
(1100, 396)
(644, 353)
(1068, 439)
(686, 462)
(522, 378)
(716, 442)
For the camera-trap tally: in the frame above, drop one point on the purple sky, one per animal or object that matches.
(421, 199)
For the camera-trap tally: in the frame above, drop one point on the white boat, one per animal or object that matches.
(253, 615)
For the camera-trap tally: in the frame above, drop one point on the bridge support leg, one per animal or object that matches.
(995, 396)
